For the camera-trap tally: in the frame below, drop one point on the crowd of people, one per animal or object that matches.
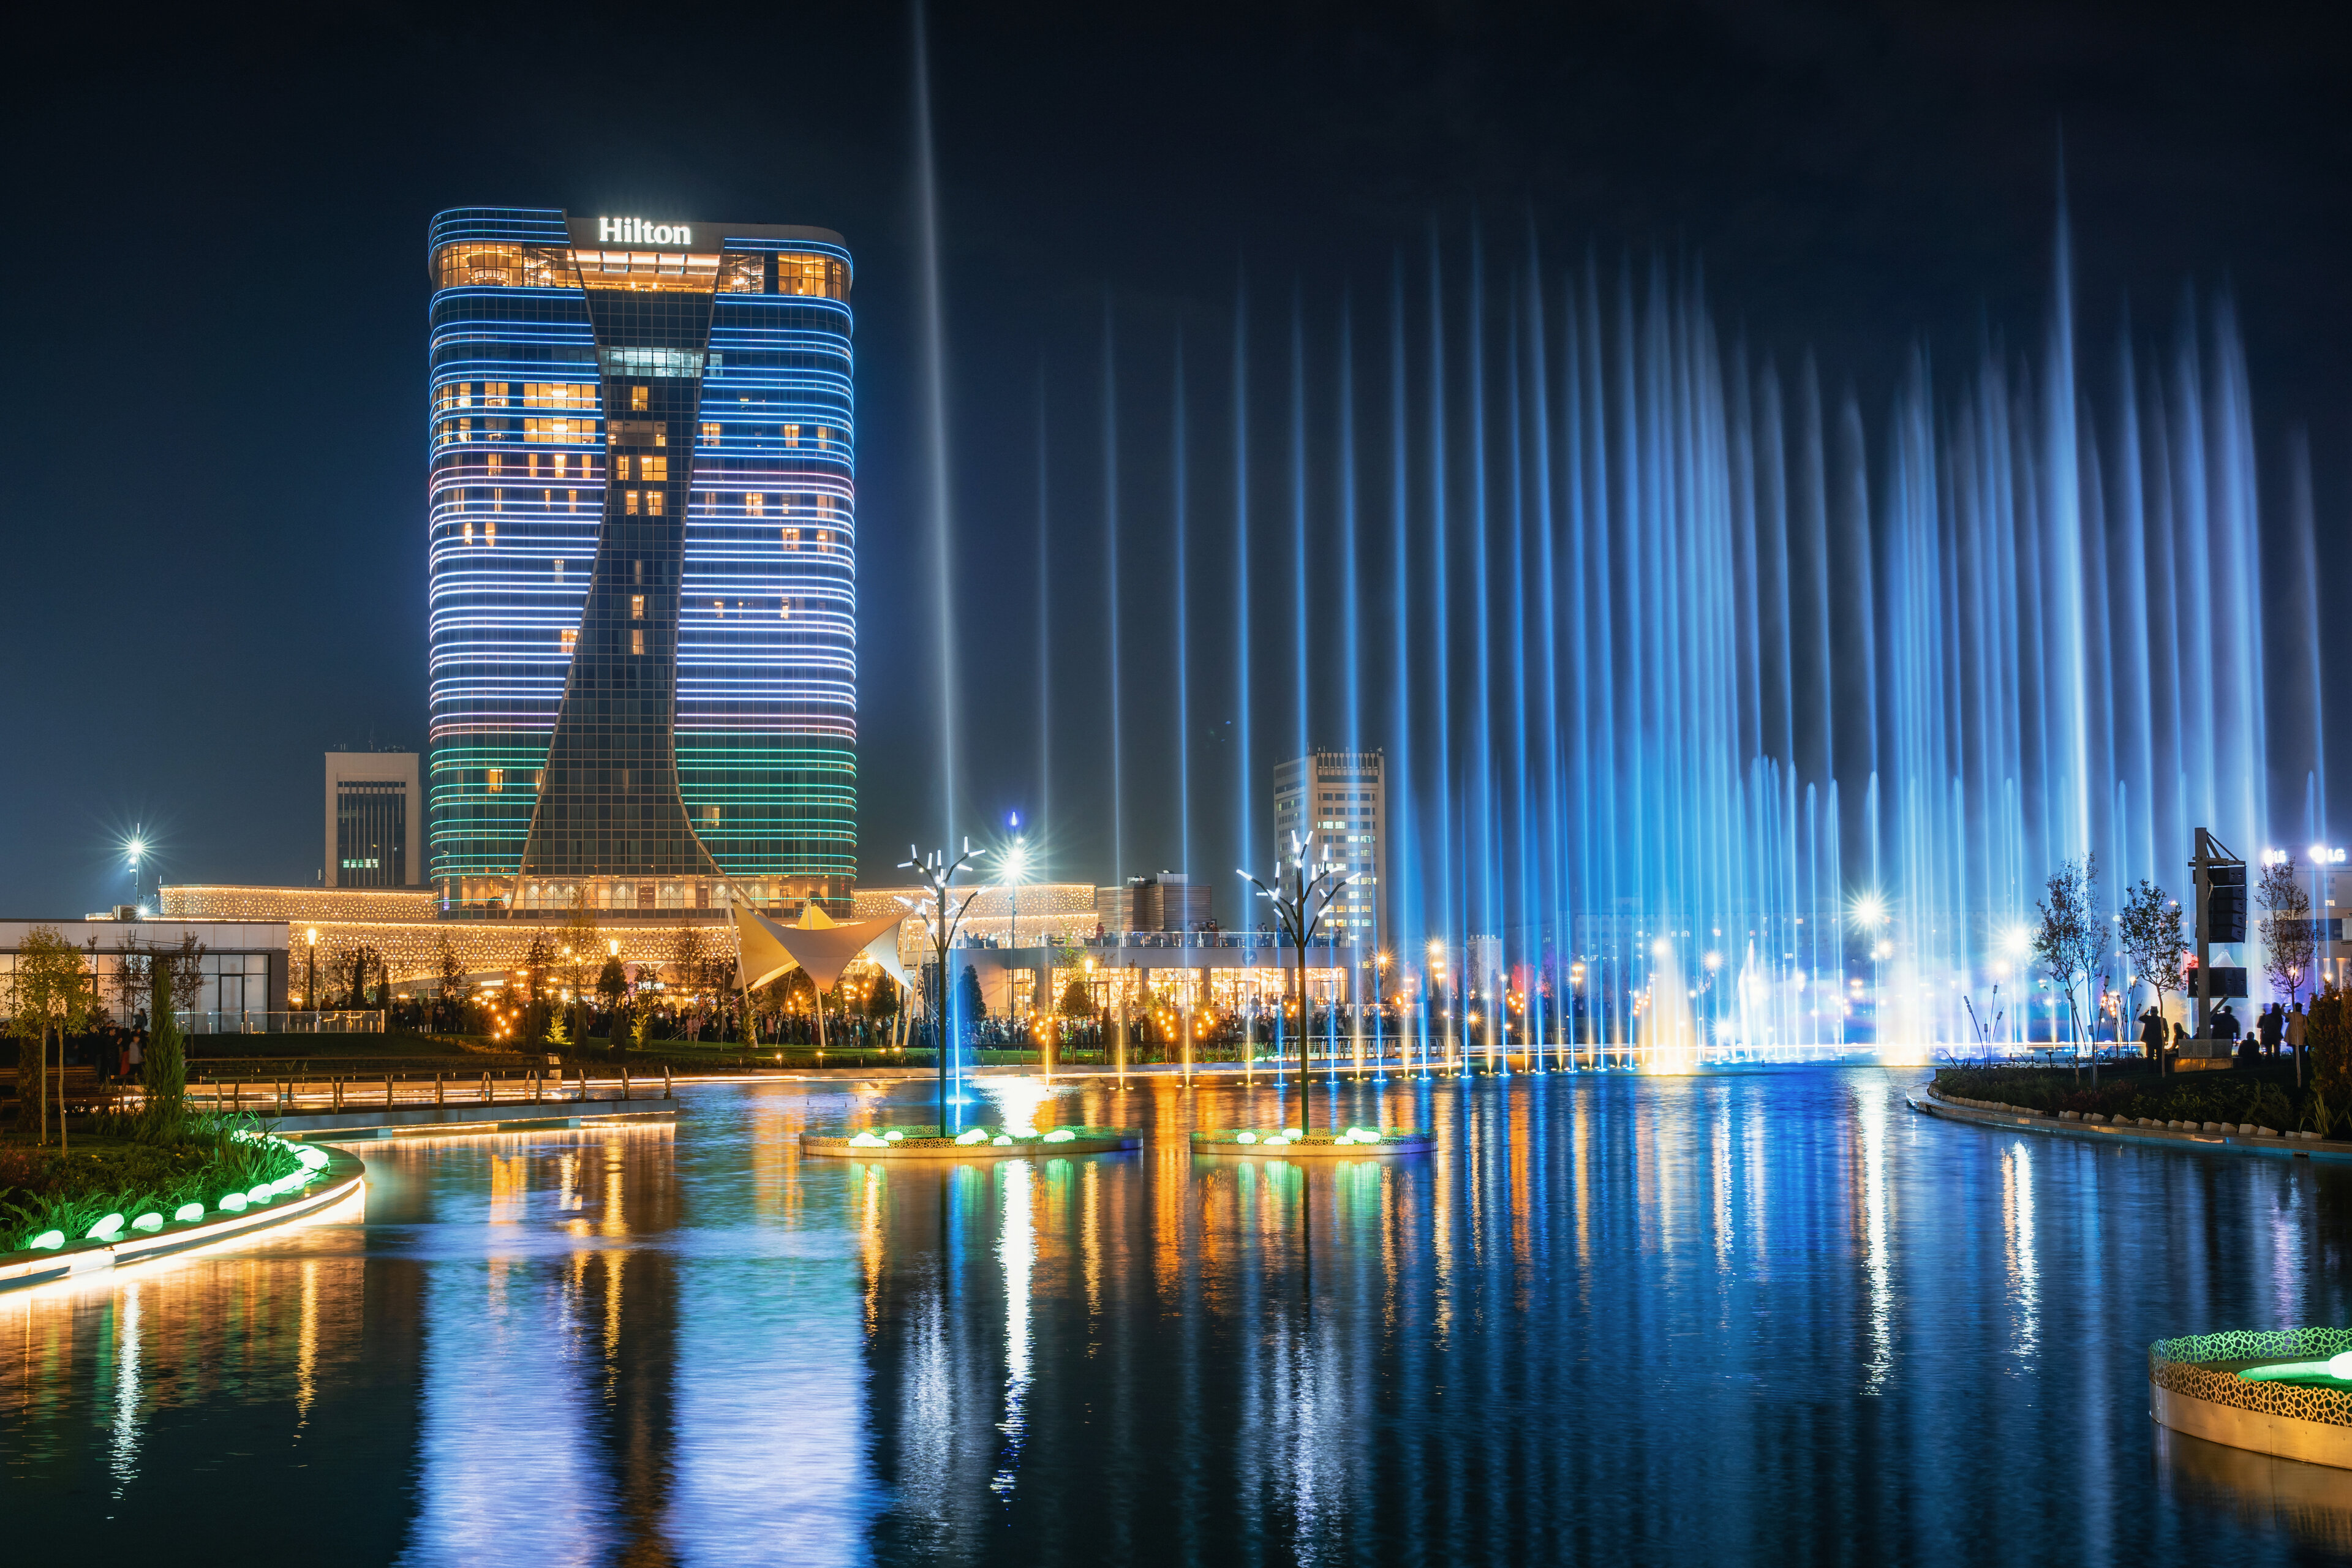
(2277, 1028)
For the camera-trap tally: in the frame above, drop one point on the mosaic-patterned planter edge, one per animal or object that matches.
(2172, 1364)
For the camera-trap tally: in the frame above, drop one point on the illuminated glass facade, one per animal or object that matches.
(643, 548)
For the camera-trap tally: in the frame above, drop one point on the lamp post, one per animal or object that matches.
(938, 875)
(1300, 910)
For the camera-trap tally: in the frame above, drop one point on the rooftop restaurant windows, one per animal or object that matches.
(496, 264)
(656, 271)
(814, 277)
(743, 274)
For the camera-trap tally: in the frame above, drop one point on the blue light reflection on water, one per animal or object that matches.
(1771, 1316)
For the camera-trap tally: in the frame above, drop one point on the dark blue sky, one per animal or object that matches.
(215, 413)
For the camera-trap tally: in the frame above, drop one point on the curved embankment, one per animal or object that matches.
(329, 1186)
(2198, 1384)
(2215, 1137)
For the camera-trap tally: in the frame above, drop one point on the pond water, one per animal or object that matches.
(1771, 1316)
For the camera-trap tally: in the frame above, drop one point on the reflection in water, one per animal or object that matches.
(1017, 1251)
(124, 1459)
(2310, 1503)
(1607, 1319)
(2017, 1236)
(1875, 1264)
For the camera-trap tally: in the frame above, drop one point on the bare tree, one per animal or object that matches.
(2069, 940)
(2154, 943)
(2289, 943)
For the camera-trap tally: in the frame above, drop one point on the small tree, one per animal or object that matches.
(48, 995)
(2149, 932)
(2289, 943)
(1077, 1003)
(449, 970)
(970, 1003)
(612, 987)
(175, 979)
(2068, 942)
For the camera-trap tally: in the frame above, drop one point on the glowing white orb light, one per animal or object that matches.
(2340, 1366)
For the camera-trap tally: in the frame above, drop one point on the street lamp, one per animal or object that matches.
(937, 875)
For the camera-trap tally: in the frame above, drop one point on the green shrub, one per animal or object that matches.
(41, 1189)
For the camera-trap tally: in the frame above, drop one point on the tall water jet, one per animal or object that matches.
(935, 424)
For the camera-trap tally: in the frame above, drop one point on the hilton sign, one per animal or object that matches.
(637, 231)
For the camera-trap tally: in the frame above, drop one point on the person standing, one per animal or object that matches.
(2272, 1025)
(2152, 1032)
(2296, 1027)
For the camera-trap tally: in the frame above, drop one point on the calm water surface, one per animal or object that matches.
(1764, 1317)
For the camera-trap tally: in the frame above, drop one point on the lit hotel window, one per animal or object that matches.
(824, 539)
(792, 537)
(490, 534)
(621, 466)
(654, 502)
(494, 395)
(640, 399)
(755, 504)
(636, 606)
(718, 608)
(637, 642)
(570, 637)
(792, 435)
(572, 498)
(710, 435)
(823, 437)
(629, 501)
(469, 532)
(653, 470)
(495, 780)
(559, 568)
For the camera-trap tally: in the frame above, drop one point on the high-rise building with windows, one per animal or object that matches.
(1334, 804)
(643, 547)
(372, 820)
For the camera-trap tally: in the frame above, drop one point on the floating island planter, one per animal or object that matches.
(320, 1178)
(2287, 1393)
(1289, 1143)
(982, 1142)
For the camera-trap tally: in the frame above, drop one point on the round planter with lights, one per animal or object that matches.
(971, 1143)
(2286, 1392)
(1291, 1143)
(325, 1179)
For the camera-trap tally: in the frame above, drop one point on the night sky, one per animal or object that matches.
(215, 413)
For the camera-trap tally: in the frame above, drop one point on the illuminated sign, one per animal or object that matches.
(637, 231)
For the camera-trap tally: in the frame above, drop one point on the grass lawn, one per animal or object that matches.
(322, 1048)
